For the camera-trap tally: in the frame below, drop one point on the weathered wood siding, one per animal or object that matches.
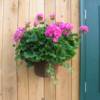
(18, 82)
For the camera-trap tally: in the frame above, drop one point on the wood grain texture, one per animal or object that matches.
(50, 8)
(23, 17)
(36, 83)
(25, 84)
(61, 10)
(8, 61)
(75, 60)
(49, 87)
(1, 23)
(69, 75)
(63, 89)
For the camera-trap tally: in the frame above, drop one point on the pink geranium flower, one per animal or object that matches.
(39, 18)
(18, 34)
(54, 32)
(66, 28)
(69, 26)
(84, 28)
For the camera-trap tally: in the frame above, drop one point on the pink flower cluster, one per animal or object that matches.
(18, 34)
(66, 28)
(54, 32)
(39, 18)
(84, 28)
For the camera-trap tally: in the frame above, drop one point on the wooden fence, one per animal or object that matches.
(18, 82)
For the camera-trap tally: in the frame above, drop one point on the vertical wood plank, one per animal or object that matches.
(33, 10)
(49, 87)
(1, 23)
(22, 81)
(36, 83)
(69, 62)
(23, 16)
(63, 89)
(50, 8)
(8, 62)
(61, 10)
(75, 60)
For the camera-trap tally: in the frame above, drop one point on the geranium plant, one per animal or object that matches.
(53, 43)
